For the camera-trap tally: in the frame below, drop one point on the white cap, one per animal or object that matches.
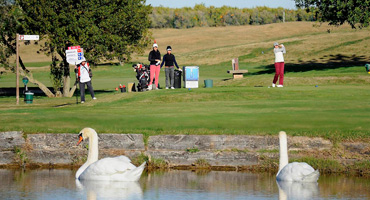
(155, 45)
(83, 59)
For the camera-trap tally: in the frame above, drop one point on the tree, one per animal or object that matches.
(10, 20)
(105, 29)
(338, 12)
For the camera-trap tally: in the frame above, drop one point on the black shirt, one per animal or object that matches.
(169, 59)
(154, 55)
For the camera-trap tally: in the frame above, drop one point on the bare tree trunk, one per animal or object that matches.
(66, 75)
(45, 89)
(25, 72)
(72, 91)
(66, 85)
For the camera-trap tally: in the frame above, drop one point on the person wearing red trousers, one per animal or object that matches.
(279, 50)
(155, 61)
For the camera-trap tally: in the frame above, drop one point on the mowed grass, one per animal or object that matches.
(336, 109)
(328, 111)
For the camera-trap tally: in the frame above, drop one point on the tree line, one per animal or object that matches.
(202, 16)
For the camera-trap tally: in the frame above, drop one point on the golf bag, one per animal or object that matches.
(143, 76)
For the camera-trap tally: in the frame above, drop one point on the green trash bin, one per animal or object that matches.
(28, 97)
(208, 83)
(367, 66)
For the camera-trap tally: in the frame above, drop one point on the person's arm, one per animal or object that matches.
(150, 58)
(158, 60)
(174, 60)
(77, 71)
(276, 50)
(164, 59)
(283, 48)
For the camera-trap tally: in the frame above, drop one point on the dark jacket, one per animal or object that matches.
(154, 55)
(170, 60)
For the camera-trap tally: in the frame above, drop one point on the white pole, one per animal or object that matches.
(17, 84)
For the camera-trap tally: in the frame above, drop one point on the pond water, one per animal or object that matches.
(176, 185)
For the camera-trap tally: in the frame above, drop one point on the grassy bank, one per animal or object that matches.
(338, 111)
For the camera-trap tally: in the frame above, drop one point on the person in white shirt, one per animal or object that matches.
(279, 50)
(84, 78)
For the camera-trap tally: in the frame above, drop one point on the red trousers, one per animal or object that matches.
(154, 73)
(279, 71)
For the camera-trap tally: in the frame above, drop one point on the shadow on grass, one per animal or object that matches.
(114, 64)
(10, 92)
(332, 62)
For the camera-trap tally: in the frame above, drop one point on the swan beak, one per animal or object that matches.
(80, 140)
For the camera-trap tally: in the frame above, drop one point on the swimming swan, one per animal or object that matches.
(296, 171)
(117, 168)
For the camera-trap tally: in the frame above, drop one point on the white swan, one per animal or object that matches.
(118, 168)
(296, 171)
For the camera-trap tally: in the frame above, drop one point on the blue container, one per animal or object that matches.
(208, 83)
(28, 97)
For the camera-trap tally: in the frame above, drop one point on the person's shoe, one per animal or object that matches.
(166, 88)
(157, 88)
(82, 102)
(94, 98)
(273, 85)
(172, 88)
(150, 87)
(279, 86)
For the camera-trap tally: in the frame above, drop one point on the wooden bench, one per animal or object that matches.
(236, 72)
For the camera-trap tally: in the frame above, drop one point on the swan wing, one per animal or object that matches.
(117, 169)
(299, 172)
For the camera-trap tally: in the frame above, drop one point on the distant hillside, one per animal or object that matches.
(305, 42)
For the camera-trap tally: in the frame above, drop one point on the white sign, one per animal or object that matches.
(29, 37)
(74, 56)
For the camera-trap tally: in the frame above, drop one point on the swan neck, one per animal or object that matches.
(283, 161)
(93, 148)
(92, 154)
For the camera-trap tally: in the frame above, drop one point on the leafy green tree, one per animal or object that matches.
(338, 12)
(105, 29)
(11, 17)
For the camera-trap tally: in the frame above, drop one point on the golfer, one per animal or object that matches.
(169, 60)
(84, 78)
(155, 61)
(279, 50)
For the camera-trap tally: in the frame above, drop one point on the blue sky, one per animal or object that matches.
(218, 3)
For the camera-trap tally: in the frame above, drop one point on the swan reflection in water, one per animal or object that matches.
(297, 190)
(110, 189)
